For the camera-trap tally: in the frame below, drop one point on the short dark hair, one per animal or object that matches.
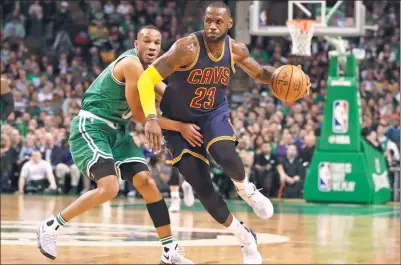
(147, 27)
(220, 4)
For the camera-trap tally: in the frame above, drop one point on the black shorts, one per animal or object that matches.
(216, 127)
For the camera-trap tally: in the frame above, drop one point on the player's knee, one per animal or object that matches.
(223, 152)
(144, 181)
(108, 187)
(109, 193)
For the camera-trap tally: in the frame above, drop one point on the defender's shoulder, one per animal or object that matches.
(130, 61)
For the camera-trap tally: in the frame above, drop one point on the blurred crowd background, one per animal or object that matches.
(51, 51)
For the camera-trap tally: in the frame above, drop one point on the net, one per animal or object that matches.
(301, 31)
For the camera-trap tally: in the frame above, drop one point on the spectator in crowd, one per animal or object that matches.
(160, 172)
(67, 167)
(246, 155)
(16, 26)
(286, 140)
(50, 151)
(63, 16)
(307, 150)
(35, 174)
(393, 133)
(36, 24)
(371, 137)
(6, 164)
(265, 170)
(388, 146)
(27, 149)
(291, 174)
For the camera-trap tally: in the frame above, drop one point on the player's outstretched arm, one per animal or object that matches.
(181, 52)
(244, 60)
(132, 69)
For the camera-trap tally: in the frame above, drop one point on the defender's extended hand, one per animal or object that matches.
(153, 134)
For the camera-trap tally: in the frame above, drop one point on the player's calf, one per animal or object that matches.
(157, 209)
(223, 152)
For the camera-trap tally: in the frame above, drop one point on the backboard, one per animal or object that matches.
(333, 18)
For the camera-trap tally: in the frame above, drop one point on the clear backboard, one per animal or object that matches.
(333, 18)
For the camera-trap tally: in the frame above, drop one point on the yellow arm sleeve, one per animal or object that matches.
(146, 83)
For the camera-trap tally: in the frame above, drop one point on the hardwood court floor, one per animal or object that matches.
(121, 232)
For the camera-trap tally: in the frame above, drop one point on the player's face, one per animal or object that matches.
(216, 24)
(148, 45)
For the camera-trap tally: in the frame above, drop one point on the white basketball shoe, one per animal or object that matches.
(175, 205)
(189, 198)
(249, 247)
(261, 205)
(171, 256)
(47, 236)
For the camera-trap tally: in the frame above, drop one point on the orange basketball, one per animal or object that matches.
(289, 83)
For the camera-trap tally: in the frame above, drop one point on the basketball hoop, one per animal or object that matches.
(301, 31)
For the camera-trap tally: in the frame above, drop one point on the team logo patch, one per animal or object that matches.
(340, 116)
(324, 177)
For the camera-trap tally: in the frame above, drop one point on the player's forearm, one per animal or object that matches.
(169, 125)
(266, 75)
(165, 124)
(146, 84)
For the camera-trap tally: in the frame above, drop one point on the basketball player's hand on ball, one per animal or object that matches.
(191, 133)
(309, 84)
(153, 134)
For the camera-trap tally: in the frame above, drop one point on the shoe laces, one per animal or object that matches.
(251, 194)
(177, 254)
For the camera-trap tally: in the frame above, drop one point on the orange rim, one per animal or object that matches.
(305, 25)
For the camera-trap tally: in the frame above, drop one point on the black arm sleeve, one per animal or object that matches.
(7, 101)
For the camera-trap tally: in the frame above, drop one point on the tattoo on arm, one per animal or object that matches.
(251, 66)
(181, 54)
(267, 74)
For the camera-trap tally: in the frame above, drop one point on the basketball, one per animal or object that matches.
(289, 83)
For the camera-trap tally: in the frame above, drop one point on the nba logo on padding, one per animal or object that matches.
(340, 116)
(324, 176)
